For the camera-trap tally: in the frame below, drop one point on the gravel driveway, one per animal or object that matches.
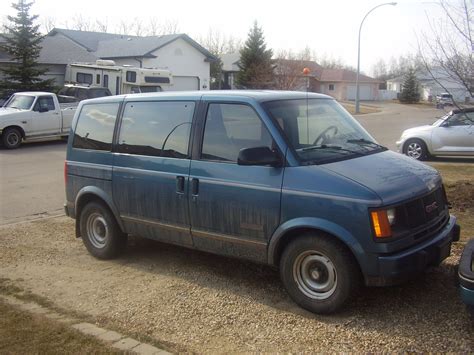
(196, 302)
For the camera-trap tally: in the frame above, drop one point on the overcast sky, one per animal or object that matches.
(328, 27)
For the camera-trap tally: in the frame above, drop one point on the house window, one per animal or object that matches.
(84, 78)
(331, 87)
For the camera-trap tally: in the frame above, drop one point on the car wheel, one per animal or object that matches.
(319, 273)
(416, 149)
(11, 138)
(100, 232)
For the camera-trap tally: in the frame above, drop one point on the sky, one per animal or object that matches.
(330, 27)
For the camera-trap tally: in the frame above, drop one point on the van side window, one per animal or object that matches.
(95, 126)
(230, 128)
(156, 128)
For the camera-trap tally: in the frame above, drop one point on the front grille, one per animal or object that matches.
(423, 210)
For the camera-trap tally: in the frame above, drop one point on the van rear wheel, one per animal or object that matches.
(319, 273)
(100, 232)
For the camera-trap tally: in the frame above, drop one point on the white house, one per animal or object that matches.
(187, 60)
(429, 87)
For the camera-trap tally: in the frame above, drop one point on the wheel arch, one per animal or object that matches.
(22, 131)
(291, 229)
(422, 139)
(93, 193)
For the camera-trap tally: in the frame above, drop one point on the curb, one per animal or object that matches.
(114, 339)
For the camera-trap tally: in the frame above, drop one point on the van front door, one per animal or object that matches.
(234, 209)
(151, 169)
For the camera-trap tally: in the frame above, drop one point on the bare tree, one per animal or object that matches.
(288, 70)
(81, 23)
(169, 27)
(48, 23)
(138, 28)
(153, 26)
(125, 28)
(447, 51)
(102, 25)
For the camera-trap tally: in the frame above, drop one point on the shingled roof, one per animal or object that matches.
(109, 45)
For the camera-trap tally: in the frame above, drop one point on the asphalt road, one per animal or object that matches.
(31, 177)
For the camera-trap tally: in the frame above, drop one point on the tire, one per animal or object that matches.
(11, 138)
(416, 149)
(100, 232)
(319, 273)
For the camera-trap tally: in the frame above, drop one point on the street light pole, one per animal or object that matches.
(357, 108)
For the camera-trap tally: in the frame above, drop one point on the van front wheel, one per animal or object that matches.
(100, 232)
(319, 273)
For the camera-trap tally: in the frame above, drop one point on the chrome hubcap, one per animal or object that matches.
(315, 275)
(97, 230)
(414, 150)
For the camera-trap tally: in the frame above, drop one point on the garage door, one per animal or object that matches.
(365, 92)
(181, 83)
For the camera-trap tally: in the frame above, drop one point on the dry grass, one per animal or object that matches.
(25, 333)
(364, 109)
(459, 182)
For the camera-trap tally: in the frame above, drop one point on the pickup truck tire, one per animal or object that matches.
(11, 138)
(319, 273)
(100, 232)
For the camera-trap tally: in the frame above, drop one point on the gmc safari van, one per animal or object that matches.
(284, 178)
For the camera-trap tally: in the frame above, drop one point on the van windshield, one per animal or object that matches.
(321, 131)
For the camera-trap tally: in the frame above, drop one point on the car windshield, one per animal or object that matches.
(22, 102)
(321, 131)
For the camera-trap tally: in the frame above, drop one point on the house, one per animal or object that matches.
(188, 61)
(338, 83)
(429, 87)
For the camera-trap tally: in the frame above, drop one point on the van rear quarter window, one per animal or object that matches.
(95, 126)
(156, 128)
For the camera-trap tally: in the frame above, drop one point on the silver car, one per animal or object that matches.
(452, 134)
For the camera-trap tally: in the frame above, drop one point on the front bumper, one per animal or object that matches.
(398, 267)
(400, 145)
(466, 274)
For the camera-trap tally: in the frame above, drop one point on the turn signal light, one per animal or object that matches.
(381, 224)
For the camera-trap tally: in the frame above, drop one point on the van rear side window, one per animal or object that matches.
(156, 128)
(95, 127)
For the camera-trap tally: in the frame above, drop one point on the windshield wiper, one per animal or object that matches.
(329, 147)
(363, 141)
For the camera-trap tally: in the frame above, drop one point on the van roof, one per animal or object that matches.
(258, 95)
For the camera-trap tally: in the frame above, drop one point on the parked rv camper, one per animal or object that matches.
(119, 79)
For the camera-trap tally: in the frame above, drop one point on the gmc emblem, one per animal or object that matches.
(432, 207)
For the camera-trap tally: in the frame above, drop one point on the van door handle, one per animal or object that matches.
(195, 187)
(180, 184)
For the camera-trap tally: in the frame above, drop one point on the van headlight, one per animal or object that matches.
(382, 222)
(391, 216)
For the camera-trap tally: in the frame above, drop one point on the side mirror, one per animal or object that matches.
(259, 156)
(43, 109)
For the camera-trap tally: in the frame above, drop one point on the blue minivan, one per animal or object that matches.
(288, 179)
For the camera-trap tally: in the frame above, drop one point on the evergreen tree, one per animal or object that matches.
(22, 44)
(410, 91)
(256, 68)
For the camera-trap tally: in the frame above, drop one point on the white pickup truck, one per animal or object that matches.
(34, 115)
